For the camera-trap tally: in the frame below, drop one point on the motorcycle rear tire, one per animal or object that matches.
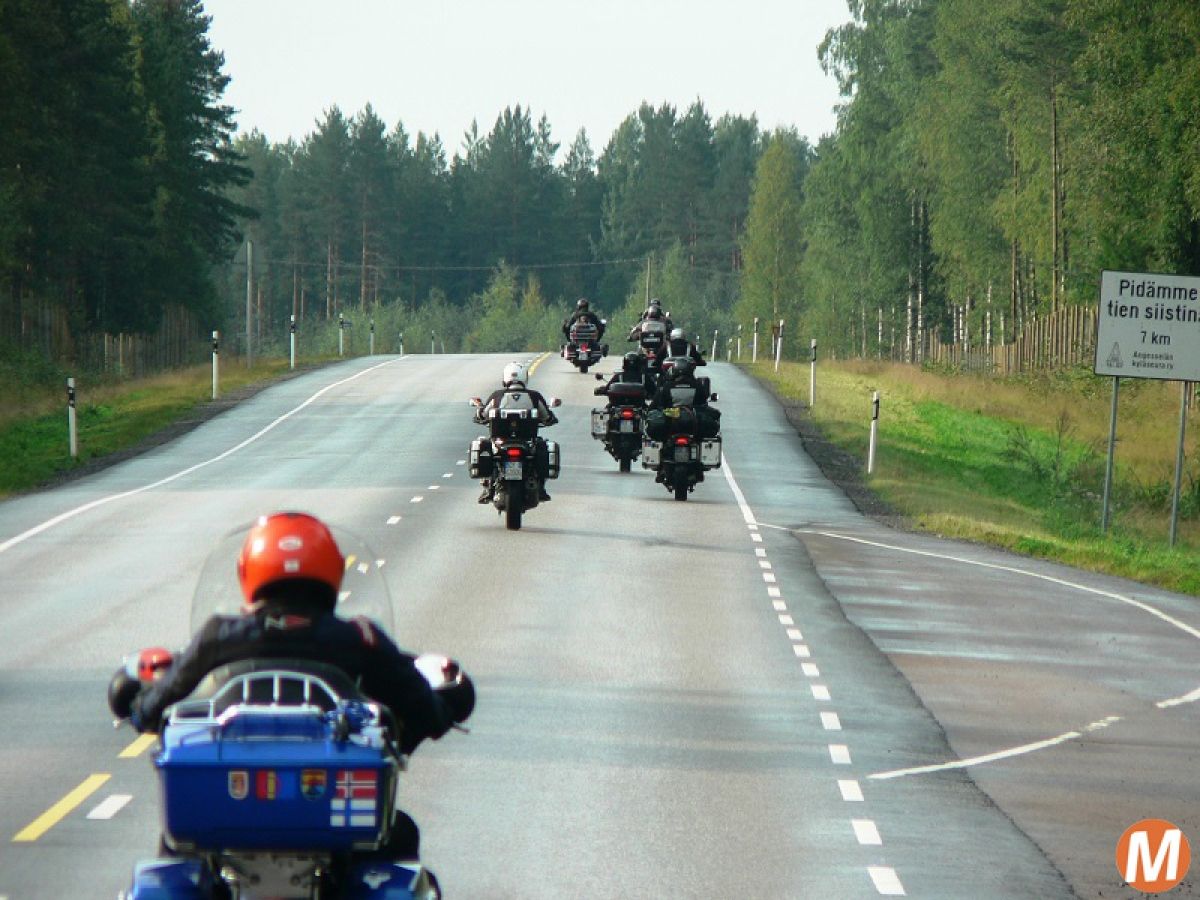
(625, 464)
(681, 490)
(583, 369)
(513, 507)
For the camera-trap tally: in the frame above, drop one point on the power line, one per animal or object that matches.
(375, 267)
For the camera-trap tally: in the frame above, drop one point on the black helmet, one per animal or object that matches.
(682, 367)
(654, 312)
(582, 304)
(632, 362)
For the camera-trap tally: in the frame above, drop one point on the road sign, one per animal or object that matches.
(1149, 326)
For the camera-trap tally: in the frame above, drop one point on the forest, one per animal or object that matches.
(989, 161)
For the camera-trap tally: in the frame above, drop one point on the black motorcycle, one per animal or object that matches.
(681, 445)
(619, 426)
(584, 349)
(507, 460)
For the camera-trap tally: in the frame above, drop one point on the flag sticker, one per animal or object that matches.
(355, 799)
(266, 784)
(239, 784)
(312, 783)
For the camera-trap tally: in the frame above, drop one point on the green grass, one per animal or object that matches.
(111, 416)
(1018, 463)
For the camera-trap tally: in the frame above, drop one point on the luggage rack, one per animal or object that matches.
(271, 691)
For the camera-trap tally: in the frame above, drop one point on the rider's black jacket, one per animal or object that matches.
(583, 314)
(684, 347)
(358, 647)
(664, 400)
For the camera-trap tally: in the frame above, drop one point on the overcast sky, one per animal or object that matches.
(584, 63)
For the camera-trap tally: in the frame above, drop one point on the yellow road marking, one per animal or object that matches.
(59, 810)
(138, 747)
(537, 362)
(350, 560)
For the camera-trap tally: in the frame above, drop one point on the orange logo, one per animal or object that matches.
(1153, 856)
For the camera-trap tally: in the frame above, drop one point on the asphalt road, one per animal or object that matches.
(756, 693)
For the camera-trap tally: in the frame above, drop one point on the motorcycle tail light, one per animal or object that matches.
(513, 452)
(681, 441)
(627, 413)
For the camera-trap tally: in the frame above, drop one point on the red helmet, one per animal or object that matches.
(288, 546)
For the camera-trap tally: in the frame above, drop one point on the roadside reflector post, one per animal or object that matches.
(812, 373)
(779, 346)
(874, 432)
(402, 343)
(713, 355)
(371, 349)
(216, 348)
(292, 340)
(72, 430)
(728, 349)
(432, 342)
(754, 345)
(739, 342)
(1183, 405)
(1112, 449)
(341, 335)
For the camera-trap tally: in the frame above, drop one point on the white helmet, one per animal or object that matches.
(676, 334)
(513, 372)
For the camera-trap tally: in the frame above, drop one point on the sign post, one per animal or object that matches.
(1148, 326)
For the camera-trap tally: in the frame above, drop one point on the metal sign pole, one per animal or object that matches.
(1183, 400)
(1112, 449)
(72, 432)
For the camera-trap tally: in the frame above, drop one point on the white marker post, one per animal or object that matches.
(72, 430)
(779, 346)
(292, 340)
(371, 351)
(812, 373)
(432, 342)
(713, 355)
(216, 347)
(739, 342)
(754, 352)
(402, 343)
(341, 335)
(874, 432)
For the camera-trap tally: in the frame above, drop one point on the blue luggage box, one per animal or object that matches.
(261, 781)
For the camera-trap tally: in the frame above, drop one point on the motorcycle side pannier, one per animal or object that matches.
(480, 462)
(599, 422)
(552, 451)
(710, 453)
(651, 454)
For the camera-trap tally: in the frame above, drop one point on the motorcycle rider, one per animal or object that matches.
(678, 345)
(290, 570)
(582, 313)
(653, 313)
(515, 395)
(632, 371)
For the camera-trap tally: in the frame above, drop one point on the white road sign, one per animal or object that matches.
(1149, 326)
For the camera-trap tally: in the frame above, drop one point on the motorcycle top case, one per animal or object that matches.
(262, 781)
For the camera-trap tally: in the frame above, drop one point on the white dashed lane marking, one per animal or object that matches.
(839, 754)
(392, 520)
(460, 462)
(820, 692)
(851, 790)
(794, 634)
(110, 806)
(448, 475)
(830, 721)
(866, 832)
(886, 881)
(772, 592)
(810, 669)
(801, 651)
(416, 499)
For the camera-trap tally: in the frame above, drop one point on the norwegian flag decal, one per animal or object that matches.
(355, 799)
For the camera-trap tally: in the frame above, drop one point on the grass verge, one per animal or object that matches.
(1017, 463)
(112, 416)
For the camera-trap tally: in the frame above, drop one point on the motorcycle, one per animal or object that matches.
(619, 426)
(652, 342)
(507, 459)
(278, 777)
(583, 349)
(677, 450)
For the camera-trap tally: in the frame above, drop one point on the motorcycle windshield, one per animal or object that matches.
(363, 592)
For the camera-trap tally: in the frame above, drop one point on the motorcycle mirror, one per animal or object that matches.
(714, 396)
(475, 401)
(604, 321)
(599, 377)
(554, 401)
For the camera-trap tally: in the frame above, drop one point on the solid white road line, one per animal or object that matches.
(839, 754)
(850, 789)
(101, 501)
(866, 832)
(110, 806)
(747, 513)
(830, 721)
(886, 881)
